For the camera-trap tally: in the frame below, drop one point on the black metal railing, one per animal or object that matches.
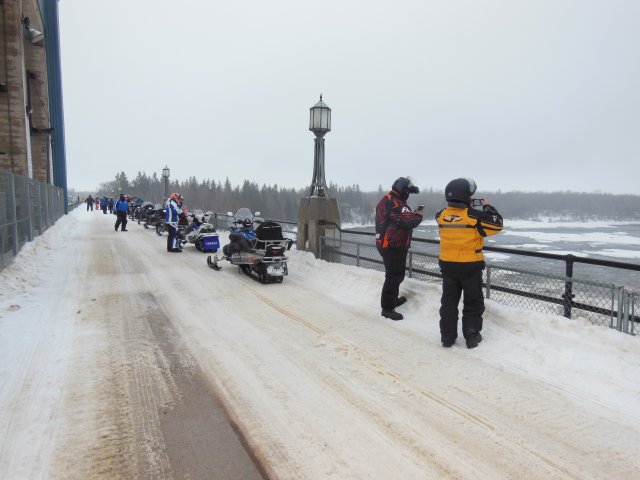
(612, 301)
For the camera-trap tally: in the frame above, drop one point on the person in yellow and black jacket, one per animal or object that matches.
(462, 231)
(394, 227)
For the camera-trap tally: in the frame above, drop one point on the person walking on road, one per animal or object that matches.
(103, 205)
(89, 201)
(121, 208)
(394, 227)
(462, 231)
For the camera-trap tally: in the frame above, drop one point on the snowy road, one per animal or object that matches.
(102, 335)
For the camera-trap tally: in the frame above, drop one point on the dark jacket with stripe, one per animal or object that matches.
(462, 232)
(394, 222)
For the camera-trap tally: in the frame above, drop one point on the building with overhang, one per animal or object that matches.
(31, 112)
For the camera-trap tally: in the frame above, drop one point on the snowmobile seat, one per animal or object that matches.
(239, 243)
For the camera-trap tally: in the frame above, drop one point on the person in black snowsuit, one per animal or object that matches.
(89, 201)
(394, 227)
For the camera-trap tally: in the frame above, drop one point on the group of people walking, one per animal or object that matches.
(101, 203)
(120, 207)
(462, 231)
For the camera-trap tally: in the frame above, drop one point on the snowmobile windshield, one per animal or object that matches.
(243, 213)
(238, 218)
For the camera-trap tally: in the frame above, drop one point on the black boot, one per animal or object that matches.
(400, 301)
(391, 314)
(474, 340)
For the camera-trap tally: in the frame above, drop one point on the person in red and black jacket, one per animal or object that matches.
(394, 227)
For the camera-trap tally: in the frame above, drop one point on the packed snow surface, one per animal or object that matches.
(316, 381)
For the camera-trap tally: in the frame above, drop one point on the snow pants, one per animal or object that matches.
(395, 260)
(122, 219)
(173, 241)
(459, 278)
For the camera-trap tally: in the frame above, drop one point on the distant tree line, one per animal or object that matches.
(356, 206)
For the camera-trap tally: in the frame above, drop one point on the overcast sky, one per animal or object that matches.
(532, 95)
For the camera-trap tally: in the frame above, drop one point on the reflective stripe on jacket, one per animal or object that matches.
(172, 212)
(462, 232)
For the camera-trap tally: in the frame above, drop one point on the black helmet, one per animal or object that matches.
(403, 187)
(458, 192)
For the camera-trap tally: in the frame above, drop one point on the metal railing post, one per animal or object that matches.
(12, 201)
(41, 208)
(618, 325)
(568, 286)
(488, 286)
(613, 307)
(28, 203)
(410, 264)
(320, 249)
(632, 312)
(358, 254)
(624, 327)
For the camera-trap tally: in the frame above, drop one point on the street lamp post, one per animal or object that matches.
(165, 175)
(318, 214)
(320, 125)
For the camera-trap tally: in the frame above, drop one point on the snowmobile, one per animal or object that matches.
(201, 233)
(256, 246)
(161, 225)
(141, 213)
(152, 217)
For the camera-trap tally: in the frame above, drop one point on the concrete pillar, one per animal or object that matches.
(317, 216)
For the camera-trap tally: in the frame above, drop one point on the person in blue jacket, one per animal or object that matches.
(121, 212)
(173, 209)
(103, 204)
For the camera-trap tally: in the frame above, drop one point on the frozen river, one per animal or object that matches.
(615, 241)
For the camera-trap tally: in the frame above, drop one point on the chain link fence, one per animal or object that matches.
(27, 209)
(599, 303)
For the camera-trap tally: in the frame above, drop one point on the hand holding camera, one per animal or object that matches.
(479, 202)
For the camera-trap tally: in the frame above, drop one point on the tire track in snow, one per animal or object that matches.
(517, 432)
(288, 313)
(363, 356)
(552, 385)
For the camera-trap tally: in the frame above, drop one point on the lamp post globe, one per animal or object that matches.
(319, 124)
(320, 118)
(165, 175)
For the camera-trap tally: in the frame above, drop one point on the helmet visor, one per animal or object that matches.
(472, 186)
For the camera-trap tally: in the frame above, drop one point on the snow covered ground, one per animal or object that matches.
(319, 384)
